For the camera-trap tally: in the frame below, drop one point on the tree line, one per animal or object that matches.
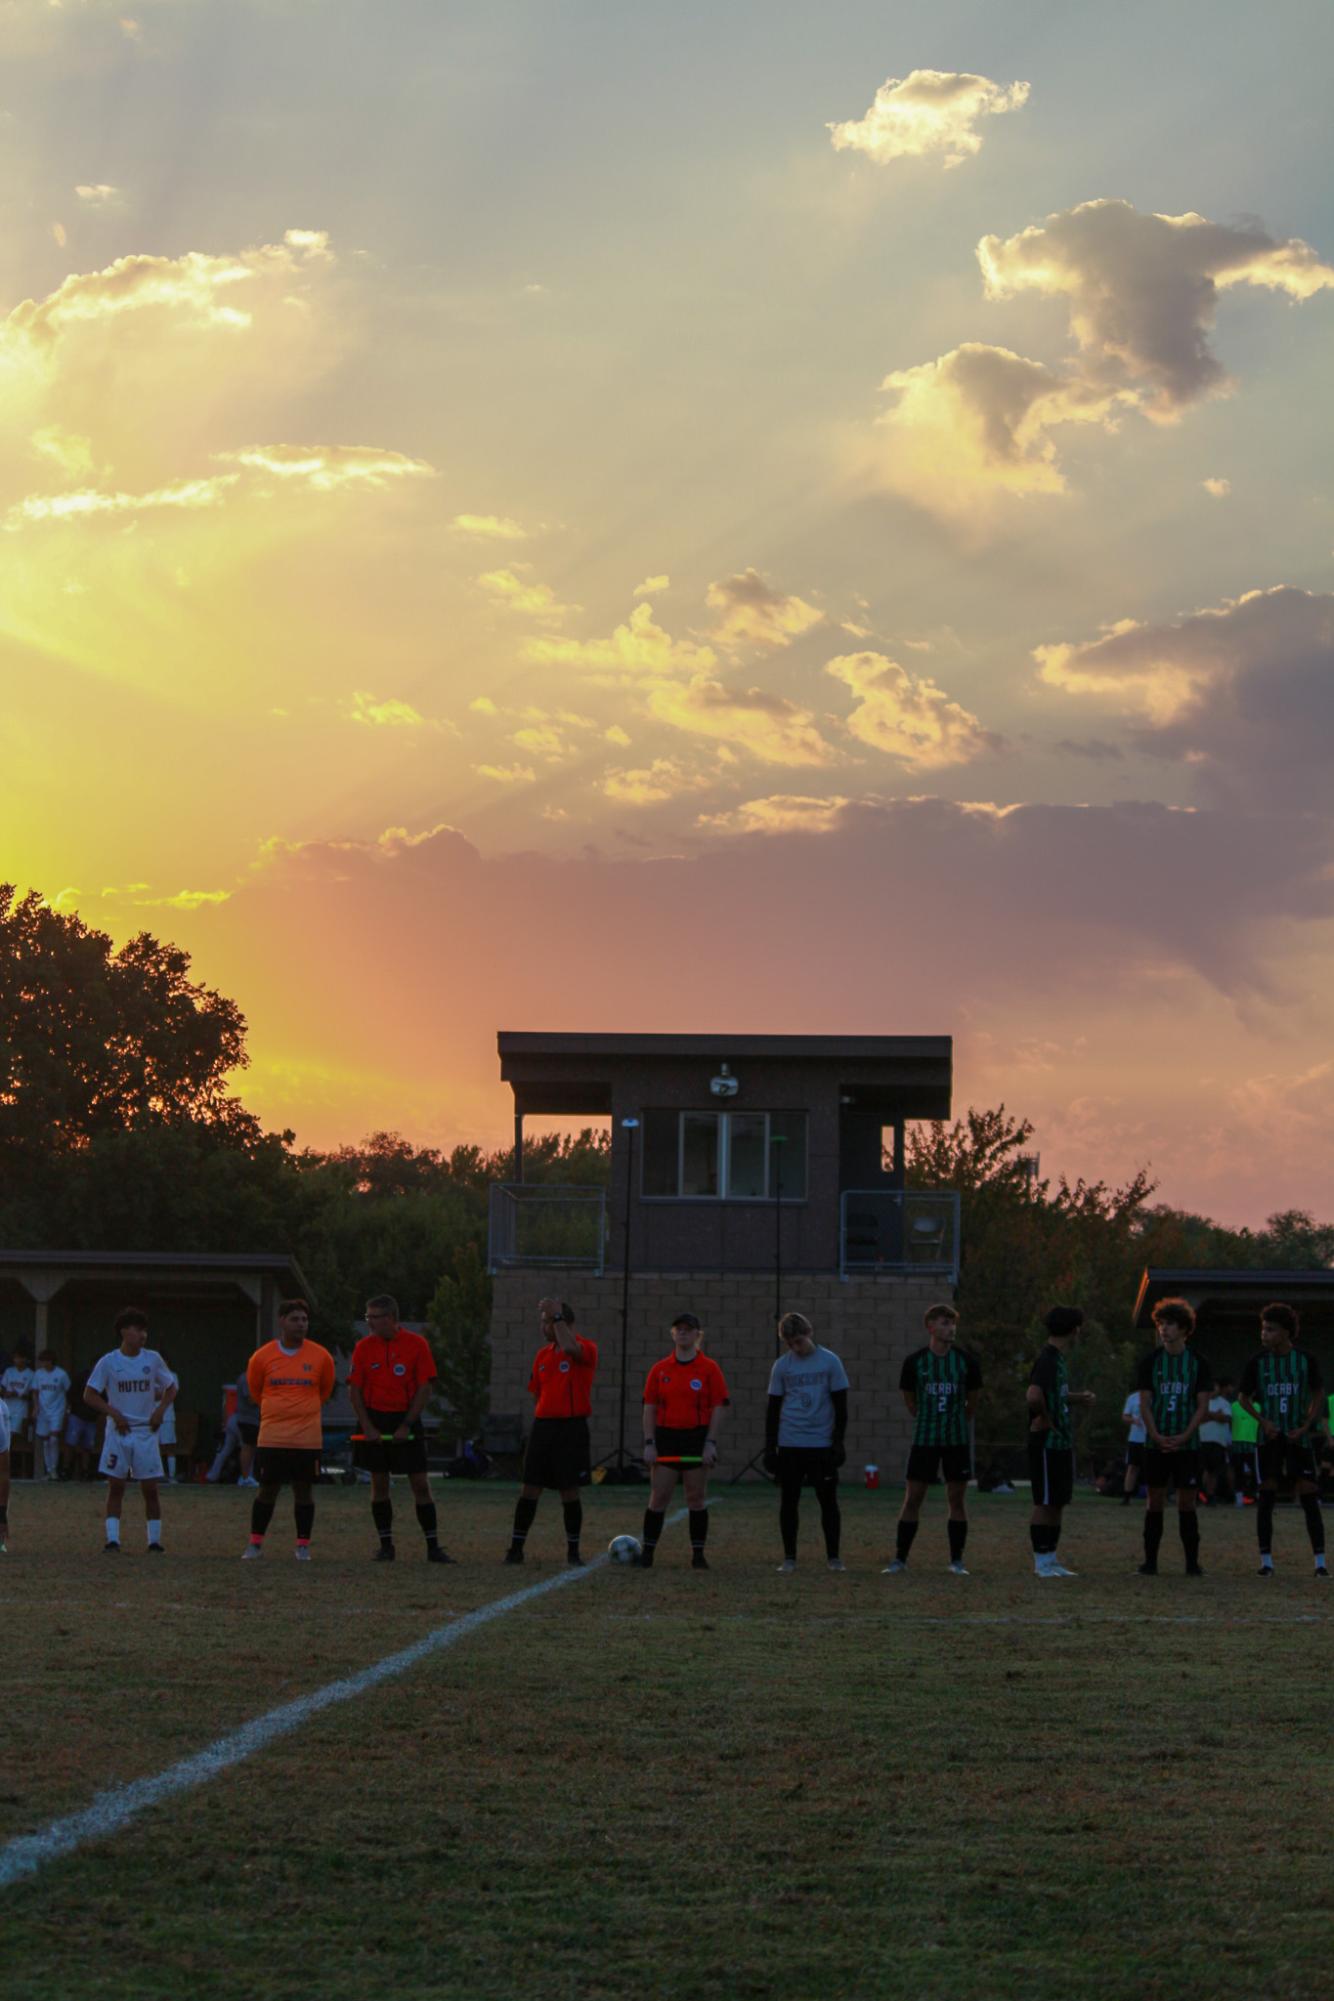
(121, 1129)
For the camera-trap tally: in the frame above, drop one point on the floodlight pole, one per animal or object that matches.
(621, 1467)
(777, 1141)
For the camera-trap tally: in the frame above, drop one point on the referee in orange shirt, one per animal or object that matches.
(291, 1379)
(558, 1452)
(684, 1400)
(390, 1381)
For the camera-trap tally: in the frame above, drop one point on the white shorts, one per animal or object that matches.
(4, 1427)
(130, 1455)
(166, 1431)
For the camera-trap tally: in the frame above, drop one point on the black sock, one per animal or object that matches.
(382, 1514)
(789, 1516)
(903, 1536)
(1188, 1522)
(524, 1510)
(304, 1512)
(831, 1519)
(4, 1515)
(1315, 1522)
(261, 1514)
(1053, 1537)
(699, 1527)
(574, 1521)
(1264, 1519)
(1037, 1535)
(1153, 1536)
(958, 1534)
(428, 1521)
(653, 1521)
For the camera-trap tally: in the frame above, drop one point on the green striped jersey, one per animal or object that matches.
(1053, 1378)
(942, 1385)
(1174, 1382)
(1281, 1386)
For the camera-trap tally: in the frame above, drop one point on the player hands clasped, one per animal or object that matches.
(1174, 1384)
(132, 1386)
(940, 1385)
(1051, 1444)
(558, 1452)
(1283, 1390)
(390, 1381)
(804, 1427)
(684, 1399)
(291, 1379)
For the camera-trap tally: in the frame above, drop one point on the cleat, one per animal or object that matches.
(513, 1556)
(438, 1555)
(787, 1566)
(302, 1552)
(892, 1569)
(111, 1549)
(573, 1560)
(251, 1553)
(4, 1549)
(1194, 1570)
(154, 1549)
(835, 1563)
(698, 1560)
(1320, 1569)
(957, 1569)
(646, 1556)
(1266, 1570)
(384, 1554)
(1058, 1569)
(1148, 1570)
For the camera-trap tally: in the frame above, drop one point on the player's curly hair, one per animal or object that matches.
(1279, 1315)
(1174, 1313)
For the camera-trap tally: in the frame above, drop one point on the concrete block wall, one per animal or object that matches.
(871, 1322)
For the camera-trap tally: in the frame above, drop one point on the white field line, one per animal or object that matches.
(114, 1809)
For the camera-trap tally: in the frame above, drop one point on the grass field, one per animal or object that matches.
(734, 1784)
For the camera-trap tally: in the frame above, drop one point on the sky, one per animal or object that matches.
(618, 514)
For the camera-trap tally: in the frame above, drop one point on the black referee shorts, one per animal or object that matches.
(558, 1453)
(379, 1455)
(686, 1441)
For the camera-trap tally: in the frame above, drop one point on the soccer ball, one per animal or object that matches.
(624, 1549)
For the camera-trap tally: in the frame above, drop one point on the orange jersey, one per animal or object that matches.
(390, 1373)
(290, 1391)
(685, 1394)
(562, 1382)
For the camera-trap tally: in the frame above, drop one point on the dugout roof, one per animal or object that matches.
(1229, 1302)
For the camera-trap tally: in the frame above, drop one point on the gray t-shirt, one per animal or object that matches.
(806, 1383)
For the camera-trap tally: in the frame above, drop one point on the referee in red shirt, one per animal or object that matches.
(684, 1400)
(558, 1452)
(390, 1381)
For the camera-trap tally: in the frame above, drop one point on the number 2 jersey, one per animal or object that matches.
(942, 1385)
(1281, 1386)
(1174, 1382)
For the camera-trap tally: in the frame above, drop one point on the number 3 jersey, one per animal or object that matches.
(1281, 1386)
(132, 1384)
(942, 1385)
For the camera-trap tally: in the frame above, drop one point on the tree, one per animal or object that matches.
(100, 1040)
(459, 1318)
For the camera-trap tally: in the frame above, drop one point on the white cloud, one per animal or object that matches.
(490, 527)
(376, 713)
(928, 111)
(69, 450)
(99, 194)
(650, 785)
(1219, 488)
(651, 586)
(70, 507)
(516, 593)
(780, 813)
(752, 613)
(910, 719)
(766, 726)
(506, 774)
(325, 467)
(637, 648)
(1143, 289)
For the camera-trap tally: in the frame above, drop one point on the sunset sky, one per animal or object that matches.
(645, 514)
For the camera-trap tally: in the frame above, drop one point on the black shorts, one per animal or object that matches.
(275, 1465)
(558, 1453)
(1279, 1459)
(407, 1455)
(800, 1464)
(953, 1461)
(1052, 1473)
(1213, 1455)
(1171, 1469)
(687, 1441)
(249, 1432)
(1135, 1452)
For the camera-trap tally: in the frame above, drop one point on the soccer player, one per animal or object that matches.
(1051, 1444)
(940, 1385)
(804, 1429)
(50, 1387)
(1174, 1385)
(1282, 1389)
(1132, 1417)
(4, 1476)
(132, 1386)
(16, 1389)
(558, 1452)
(684, 1400)
(390, 1381)
(291, 1379)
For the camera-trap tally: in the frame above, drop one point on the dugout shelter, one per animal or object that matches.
(1228, 1305)
(748, 1173)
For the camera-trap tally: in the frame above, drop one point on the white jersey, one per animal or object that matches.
(15, 1384)
(132, 1384)
(51, 1387)
(4, 1426)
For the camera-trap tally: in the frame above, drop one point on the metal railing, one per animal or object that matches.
(891, 1230)
(540, 1223)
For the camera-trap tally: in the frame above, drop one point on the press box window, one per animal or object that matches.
(737, 1156)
